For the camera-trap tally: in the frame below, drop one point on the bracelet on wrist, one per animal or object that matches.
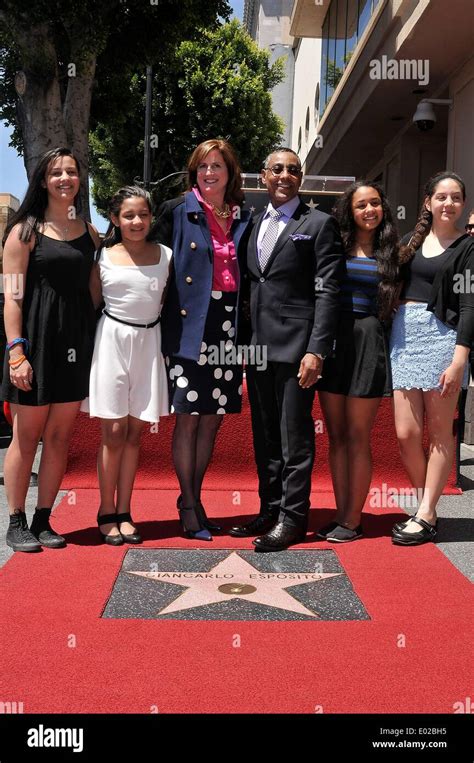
(15, 362)
(19, 340)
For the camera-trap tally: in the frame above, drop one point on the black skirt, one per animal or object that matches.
(360, 364)
(213, 384)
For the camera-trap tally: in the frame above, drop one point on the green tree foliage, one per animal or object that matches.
(215, 85)
(78, 59)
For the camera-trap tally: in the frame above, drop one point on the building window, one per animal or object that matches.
(345, 22)
(299, 141)
(316, 104)
(306, 124)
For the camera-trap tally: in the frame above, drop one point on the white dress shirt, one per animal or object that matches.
(288, 209)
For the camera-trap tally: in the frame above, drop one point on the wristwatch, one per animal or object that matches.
(318, 355)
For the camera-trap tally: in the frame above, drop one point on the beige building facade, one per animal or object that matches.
(379, 59)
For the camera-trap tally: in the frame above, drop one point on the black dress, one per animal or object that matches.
(58, 321)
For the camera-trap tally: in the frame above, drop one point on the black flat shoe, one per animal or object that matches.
(257, 526)
(427, 534)
(400, 525)
(326, 529)
(109, 519)
(279, 538)
(343, 534)
(133, 537)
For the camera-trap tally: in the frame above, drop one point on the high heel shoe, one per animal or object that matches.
(212, 526)
(191, 525)
(202, 516)
(134, 537)
(108, 519)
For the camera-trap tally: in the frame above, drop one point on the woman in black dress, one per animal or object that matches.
(49, 323)
(204, 229)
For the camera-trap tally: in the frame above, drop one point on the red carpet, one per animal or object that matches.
(51, 619)
(233, 466)
(52, 604)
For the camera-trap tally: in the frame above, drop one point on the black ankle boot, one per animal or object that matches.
(41, 528)
(19, 537)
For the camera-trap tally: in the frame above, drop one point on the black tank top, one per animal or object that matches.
(419, 277)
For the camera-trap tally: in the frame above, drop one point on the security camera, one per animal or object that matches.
(424, 116)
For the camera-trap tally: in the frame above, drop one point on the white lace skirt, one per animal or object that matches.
(421, 348)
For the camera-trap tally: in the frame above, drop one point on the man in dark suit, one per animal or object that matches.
(295, 266)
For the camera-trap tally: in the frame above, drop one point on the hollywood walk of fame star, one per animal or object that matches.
(311, 204)
(235, 578)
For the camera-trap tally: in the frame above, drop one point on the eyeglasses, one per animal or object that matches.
(469, 227)
(277, 169)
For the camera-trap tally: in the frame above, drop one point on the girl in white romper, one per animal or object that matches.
(128, 382)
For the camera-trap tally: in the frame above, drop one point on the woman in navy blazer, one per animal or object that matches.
(204, 228)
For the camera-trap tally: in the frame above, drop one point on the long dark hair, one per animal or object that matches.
(31, 211)
(113, 234)
(425, 218)
(385, 244)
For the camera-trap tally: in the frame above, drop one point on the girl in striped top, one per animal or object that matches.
(357, 375)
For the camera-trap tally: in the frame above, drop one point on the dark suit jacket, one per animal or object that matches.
(181, 224)
(294, 302)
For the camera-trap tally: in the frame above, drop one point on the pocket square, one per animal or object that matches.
(300, 237)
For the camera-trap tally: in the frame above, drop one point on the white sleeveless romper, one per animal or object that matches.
(128, 374)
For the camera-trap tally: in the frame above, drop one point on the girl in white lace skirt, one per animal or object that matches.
(432, 334)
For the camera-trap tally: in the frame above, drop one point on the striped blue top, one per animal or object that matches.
(359, 287)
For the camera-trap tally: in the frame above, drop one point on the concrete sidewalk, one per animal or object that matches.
(456, 530)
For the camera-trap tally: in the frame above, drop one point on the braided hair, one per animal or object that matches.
(425, 218)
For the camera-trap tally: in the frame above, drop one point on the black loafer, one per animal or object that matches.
(260, 525)
(133, 537)
(427, 533)
(279, 538)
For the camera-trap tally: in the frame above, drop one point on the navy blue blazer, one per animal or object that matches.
(181, 224)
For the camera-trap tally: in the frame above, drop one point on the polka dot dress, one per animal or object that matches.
(213, 384)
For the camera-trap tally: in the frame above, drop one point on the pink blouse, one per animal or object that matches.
(226, 270)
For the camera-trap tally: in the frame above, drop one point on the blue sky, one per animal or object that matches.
(12, 171)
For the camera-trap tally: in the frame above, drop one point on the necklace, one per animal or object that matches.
(223, 213)
(62, 231)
